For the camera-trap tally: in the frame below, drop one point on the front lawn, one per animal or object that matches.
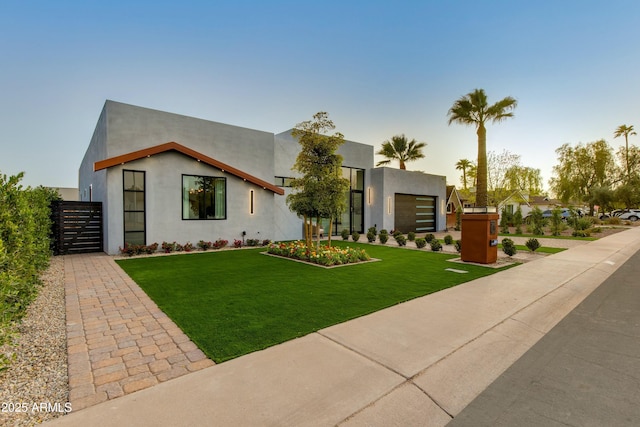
(234, 302)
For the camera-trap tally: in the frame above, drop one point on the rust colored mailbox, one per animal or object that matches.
(480, 237)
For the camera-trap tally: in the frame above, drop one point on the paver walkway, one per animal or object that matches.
(119, 341)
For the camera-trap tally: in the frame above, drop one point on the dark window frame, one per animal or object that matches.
(125, 211)
(222, 178)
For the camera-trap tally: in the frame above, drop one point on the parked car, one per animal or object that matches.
(630, 215)
(613, 213)
(565, 213)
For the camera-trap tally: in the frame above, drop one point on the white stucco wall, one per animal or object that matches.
(387, 182)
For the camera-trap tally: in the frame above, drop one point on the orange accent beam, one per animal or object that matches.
(174, 146)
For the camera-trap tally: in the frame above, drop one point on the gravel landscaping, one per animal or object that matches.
(35, 387)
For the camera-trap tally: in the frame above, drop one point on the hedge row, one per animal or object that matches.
(25, 227)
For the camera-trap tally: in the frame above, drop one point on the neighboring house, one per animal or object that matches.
(454, 202)
(66, 193)
(511, 203)
(166, 177)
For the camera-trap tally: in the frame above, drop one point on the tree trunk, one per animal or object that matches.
(318, 233)
(481, 173)
(330, 231)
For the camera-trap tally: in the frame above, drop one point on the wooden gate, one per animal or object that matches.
(77, 227)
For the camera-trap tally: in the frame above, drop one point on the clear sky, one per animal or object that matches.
(379, 68)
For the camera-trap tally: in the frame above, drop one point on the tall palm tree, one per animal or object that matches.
(401, 149)
(626, 131)
(473, 109)
(464, 165)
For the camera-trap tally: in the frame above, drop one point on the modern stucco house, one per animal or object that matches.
(166, 177)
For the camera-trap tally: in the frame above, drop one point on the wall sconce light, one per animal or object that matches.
(251, 202)
(389, 205)
(369, 195)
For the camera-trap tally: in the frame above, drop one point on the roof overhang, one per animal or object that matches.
(174, 146)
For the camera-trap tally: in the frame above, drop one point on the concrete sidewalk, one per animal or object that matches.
(417, 363)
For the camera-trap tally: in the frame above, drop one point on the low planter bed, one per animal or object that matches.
(327, 256)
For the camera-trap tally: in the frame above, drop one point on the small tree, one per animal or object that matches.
(509, 247)
(320, 191)
(537, 222)
(557, 225)
(517, 220)
(504, 220)
(458, 219)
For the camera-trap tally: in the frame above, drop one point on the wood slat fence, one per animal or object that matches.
(77, 227)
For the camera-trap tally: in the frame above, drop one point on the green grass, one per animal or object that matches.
(542, 249)
(232, 303)
(547, 236)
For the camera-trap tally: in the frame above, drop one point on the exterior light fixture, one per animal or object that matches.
(389, 205)
(251, 202)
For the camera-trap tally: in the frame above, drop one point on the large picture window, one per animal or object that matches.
(204, 197)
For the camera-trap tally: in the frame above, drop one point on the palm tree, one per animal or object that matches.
(473, 109)
(401, 149)
(464, 165)
(626, 131)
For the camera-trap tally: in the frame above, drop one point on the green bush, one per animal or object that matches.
(435, 245)
(344, 234)
(508, 247)
(411, 236)
(458, 245)
(371, 236)
(532, 244)
(557, 224)
(458, 226)
(536, 222)
(581, 233)
(373, 230)
(396, 233)
(421, 243)
(401, 240)
(384, 236)
(355, 236)
(25, 228)
(448, 239)
(614, 220)
(429, 237)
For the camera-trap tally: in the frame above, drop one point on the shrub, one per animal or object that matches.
(188, 247)
(508, 247)
(411, 236)
(325, 255)
(505, 219)
(345, 234)
(373, 230)
(220, 243)
(435, 245)
(396, 233)
(581, 233)
(429, 237)
(355, 236)
(421, 243)
(384, 236)
(371, 236)
(202, 245)
(532, 244)
(458, 245)
(517, 220)
(614, 220)
(252, 242)
(402, 241)
(266, 242)
(448, 239)
(458, 226)
(178, 247)
(167, 247)
(580, 224)
(236, 243)
(537, 222)
(557, 224)
(596, 230)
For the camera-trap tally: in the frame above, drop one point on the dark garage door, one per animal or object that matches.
(415, 213)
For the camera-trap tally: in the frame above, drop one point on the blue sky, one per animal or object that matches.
(380, 68)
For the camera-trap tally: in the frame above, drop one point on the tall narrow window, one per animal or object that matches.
(204, 197)
(134, 207)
